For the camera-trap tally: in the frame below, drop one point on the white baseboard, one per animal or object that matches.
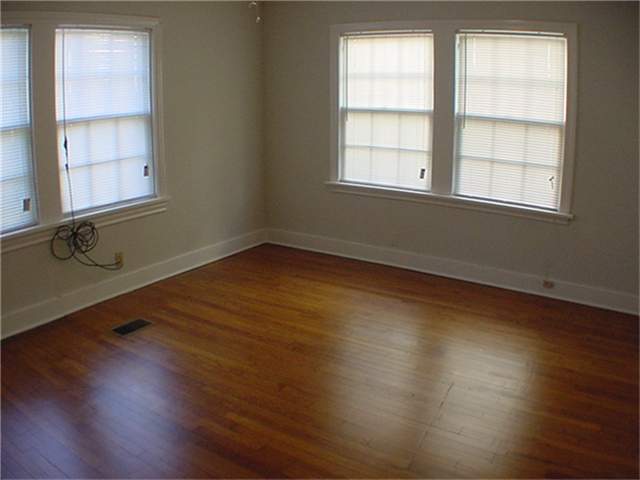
(43, 312)
(522, 282)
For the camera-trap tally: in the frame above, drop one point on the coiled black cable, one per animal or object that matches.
(78, 239)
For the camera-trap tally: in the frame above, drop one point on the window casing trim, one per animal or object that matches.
(443, 148)
(454, 201)
(102, 217)
(42, 26)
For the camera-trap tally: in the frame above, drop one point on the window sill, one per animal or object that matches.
(449, 201)
(108, 216)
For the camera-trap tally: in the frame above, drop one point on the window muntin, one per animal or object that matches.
(103, 89)
(510, 117)
(386, 108)
(17, 175)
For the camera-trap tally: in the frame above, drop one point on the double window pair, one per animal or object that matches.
(481, 114)
(94, 145)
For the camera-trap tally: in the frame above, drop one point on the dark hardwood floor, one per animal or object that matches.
(282, 363)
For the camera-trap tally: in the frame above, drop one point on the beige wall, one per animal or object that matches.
(212, 102)
(220, 82)
(600, 248)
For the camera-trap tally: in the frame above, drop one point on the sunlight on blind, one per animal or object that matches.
(106, 101)
(16, 177)
(510, 116)
(386, 109)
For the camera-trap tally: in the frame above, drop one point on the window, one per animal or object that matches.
(387, 107)
(94, 147)
(104, 113)
(18, 206)
(471, 114)
(510, 115)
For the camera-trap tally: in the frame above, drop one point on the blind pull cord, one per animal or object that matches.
(77, 239)
(464, 105)
(346, 79)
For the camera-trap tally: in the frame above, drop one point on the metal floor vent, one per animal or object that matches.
(131, 326)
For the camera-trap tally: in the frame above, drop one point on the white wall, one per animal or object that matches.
(598, 249)
(212, 101)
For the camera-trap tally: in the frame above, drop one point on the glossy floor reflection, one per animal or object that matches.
(283, 363)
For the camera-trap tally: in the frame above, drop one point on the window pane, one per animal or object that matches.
(103, 90)
(16, 177)
(510, 116)
(386, 106)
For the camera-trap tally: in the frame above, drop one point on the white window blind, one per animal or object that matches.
(510, 117)
(16, 177)
(386, 106)
(103, 91)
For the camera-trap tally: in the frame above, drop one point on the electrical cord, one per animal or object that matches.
(77, 238)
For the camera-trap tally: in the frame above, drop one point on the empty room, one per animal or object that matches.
(319, 239)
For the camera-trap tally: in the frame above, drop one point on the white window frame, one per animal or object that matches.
(49, 213)
(443, 154)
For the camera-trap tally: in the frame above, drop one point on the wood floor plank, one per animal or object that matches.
(278, 362)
